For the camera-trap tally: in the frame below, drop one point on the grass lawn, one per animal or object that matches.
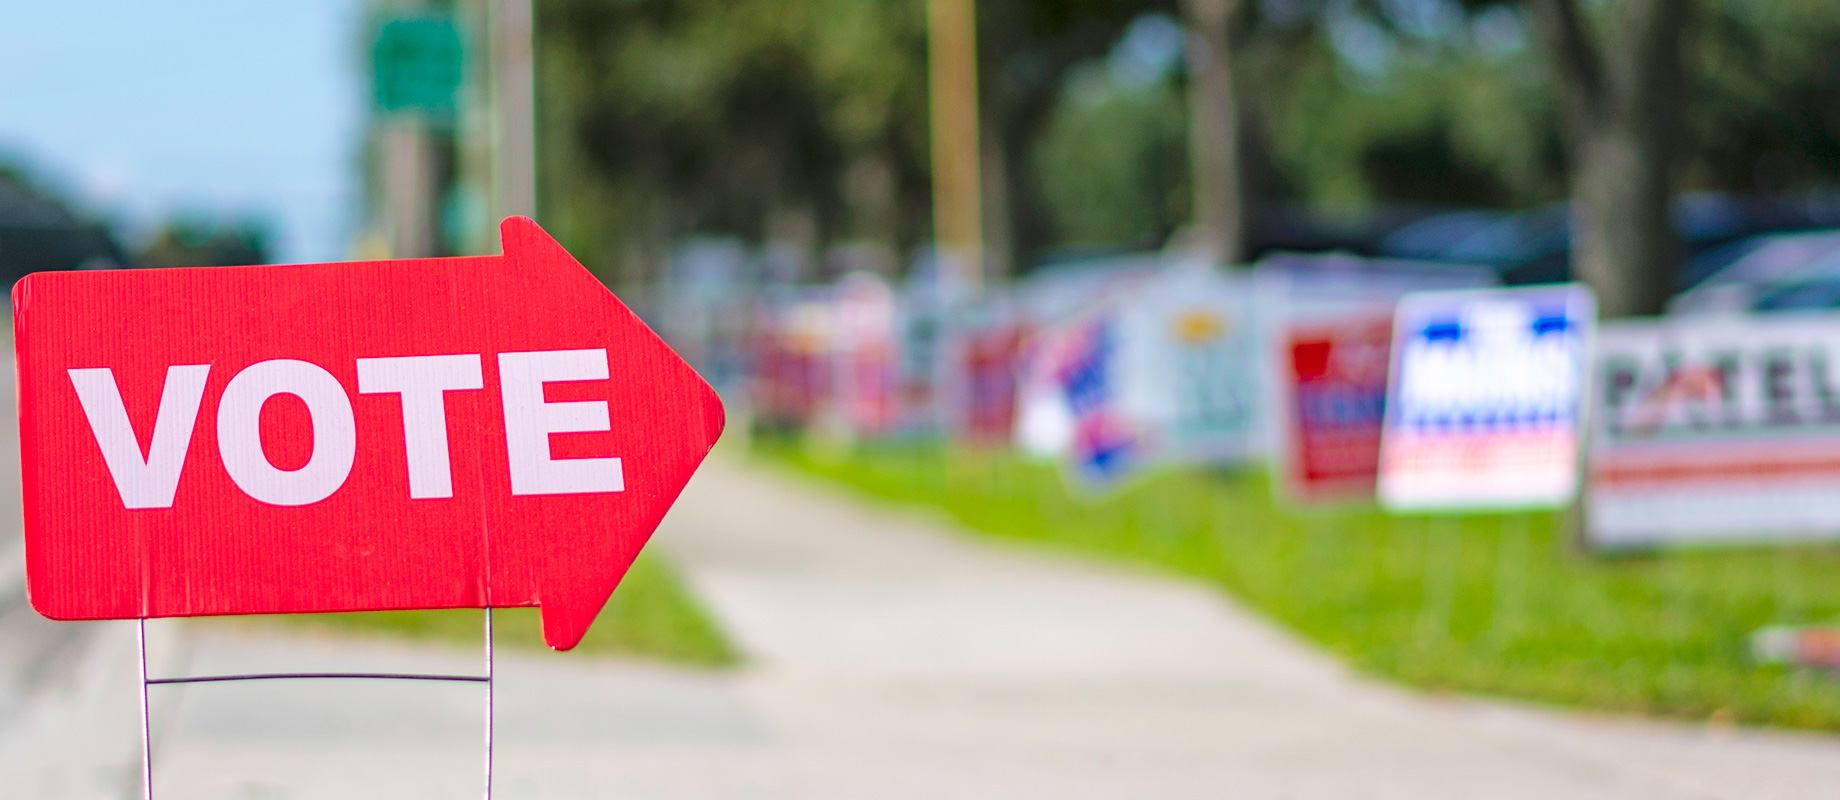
(651, 615)
(1490, 604)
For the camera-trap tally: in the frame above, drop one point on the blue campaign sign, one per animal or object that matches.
(1484, 397)
(1070, 405)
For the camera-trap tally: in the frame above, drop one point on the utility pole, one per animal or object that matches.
(958, 228)
(513, 97)
(408, 186)
(416, 63)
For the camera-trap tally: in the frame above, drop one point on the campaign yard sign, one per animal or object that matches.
(1070, 406)
(475, 432)
(981, 358)
(1335, 376)
(1718, 428)
(1484, 399)
(1188, 368)
(867, 405)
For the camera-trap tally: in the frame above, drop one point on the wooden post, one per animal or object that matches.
(958, 228)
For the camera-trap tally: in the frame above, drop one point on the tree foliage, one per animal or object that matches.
(806, 119)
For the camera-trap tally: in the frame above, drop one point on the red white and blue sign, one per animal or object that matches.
(1335, 402)
(1104, 447)
(1071, 402)
(1484, 398)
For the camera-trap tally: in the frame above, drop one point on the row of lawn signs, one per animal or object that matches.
(1178, 367)
(1402, 382)
(1162, 372)
(1702, 429)
(1111, 365)
(858, 361)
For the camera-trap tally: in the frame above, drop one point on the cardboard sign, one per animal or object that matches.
(1484, 398)
(867, 403)
(1071, 406)
(791, 364)
(1335, 397)
(1188, 366)
(982, 355)
(436, 433)
(1716, 429)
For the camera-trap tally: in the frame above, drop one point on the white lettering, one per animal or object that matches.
(529, 421)
(239, 432)
(423, 382)
(150, 481)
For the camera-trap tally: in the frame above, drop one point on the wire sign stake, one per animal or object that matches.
(147, 717)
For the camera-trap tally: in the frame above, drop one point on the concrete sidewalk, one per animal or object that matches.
(975, 670)
(894, 658)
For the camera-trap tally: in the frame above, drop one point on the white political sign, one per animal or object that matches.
(1484, 397)
(1721, 428)
(1188, 369)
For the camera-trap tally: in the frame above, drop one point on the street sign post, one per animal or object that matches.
(417, 63)
(470, 432)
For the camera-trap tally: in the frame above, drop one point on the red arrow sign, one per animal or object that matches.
(436, 433)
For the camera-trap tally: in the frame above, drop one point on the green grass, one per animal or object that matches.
(1489, 604)
(652, 615)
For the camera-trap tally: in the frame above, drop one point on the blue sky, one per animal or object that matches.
(139, 110)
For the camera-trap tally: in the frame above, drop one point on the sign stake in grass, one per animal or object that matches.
(1443, 553)
(1510, 589)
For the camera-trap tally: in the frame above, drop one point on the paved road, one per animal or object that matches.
(891, 658)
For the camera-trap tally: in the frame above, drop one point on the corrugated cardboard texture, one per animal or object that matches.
(367, 546)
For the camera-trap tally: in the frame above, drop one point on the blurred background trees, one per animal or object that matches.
(39, 231)
(199, 241)
(1623, 90)
(800, 121)
(804, 122)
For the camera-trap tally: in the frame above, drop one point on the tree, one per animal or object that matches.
(1112, 166)
(1624, 103)
(793, 119)
(201, 242)
(1025, 51)
(1219, 219)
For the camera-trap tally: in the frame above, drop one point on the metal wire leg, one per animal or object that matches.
(146, 717)
(146, 723)
(488, 703)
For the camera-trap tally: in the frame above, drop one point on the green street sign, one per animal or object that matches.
(416, 65)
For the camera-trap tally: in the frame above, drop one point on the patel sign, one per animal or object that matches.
(438, 433)
(1716, 429)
